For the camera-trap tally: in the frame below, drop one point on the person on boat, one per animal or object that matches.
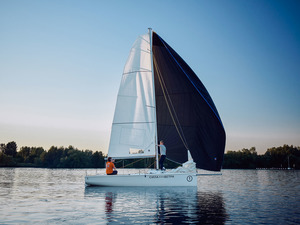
(110, 167)
(163, 151)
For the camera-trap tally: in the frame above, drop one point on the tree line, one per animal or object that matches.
(277, 157)
(60, 157)
(55, 157)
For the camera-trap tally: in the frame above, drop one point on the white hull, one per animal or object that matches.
(138, 180)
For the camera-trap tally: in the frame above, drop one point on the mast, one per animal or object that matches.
(154, 102)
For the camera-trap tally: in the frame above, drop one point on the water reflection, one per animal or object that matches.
(159, 205)
(58, 196)
(7, 179)
(109, 201)
(211, 208)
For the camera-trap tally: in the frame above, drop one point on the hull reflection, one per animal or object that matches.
(160, 205)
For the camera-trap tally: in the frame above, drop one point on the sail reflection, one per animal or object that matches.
(161, 205)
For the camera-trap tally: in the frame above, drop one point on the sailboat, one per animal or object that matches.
(161, 98)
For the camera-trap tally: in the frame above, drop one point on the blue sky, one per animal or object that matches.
(61, 64)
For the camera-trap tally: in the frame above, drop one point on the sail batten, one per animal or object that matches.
(137, 71)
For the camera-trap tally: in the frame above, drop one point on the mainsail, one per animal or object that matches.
(177, 106)
(133, 127)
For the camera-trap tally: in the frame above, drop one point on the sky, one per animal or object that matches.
(61, 64)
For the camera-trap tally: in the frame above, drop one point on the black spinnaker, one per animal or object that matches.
(186, 115)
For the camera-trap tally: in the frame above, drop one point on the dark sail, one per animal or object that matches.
(186, 115)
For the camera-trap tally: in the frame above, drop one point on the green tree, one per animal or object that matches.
(2, 147)
(52, 158)
(6, 160)
(23, 154)
(278, 157)
(35, 155)
(11, 149)
(97, 160)
(242, 159)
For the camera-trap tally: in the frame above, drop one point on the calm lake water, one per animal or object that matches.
(59, 196)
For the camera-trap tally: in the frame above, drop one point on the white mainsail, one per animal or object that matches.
(133, 128)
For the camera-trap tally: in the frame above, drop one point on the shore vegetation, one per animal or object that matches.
(283, 157)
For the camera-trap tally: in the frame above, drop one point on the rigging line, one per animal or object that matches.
(132, 163)
(164, 89)
(163, 84)
(151, 164)
(173, 161)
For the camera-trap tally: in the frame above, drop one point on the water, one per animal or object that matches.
(59, 196)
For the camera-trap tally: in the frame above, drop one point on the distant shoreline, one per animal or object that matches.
(276, 158)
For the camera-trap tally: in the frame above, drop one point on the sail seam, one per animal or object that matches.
(145, 71)
(140, 50)
(132, 122)
(127, 96)
(191, 81)
(141, 37)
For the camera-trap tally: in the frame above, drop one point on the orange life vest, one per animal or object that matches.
(110, 167)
